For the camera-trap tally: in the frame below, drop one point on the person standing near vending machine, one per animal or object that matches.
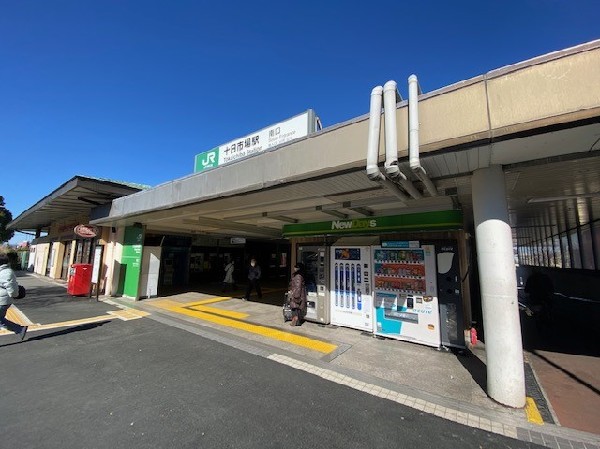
(297, 294)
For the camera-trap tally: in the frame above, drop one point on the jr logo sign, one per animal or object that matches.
(208, 159)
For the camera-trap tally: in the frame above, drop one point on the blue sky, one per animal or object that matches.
(132, 90)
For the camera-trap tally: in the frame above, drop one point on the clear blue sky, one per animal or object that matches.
(132, 90)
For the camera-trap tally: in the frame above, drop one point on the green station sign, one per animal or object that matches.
(424, 221)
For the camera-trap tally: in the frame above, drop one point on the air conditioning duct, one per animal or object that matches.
(413, 135)
(373, 171)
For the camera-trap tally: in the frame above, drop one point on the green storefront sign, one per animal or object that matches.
(131, 260)
(425, 221)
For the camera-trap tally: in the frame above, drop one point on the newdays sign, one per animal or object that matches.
(422, 221)
(257, 142)
(353, 224)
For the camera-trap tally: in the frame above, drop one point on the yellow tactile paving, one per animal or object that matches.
(129, 314)
(201, 307)
(16, 316)
(225, 318)
(208, 301)
(222, 312)
(125, 315)
(71, 323)
(533, 414)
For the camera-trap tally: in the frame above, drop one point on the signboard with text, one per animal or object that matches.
(86, 231)
(422, 221)
(257, 142)
(97, 264)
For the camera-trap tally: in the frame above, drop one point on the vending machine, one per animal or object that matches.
(316, 262)
(405, 289)
(449, 294)
(351, 288)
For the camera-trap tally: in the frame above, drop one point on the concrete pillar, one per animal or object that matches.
(503, 344)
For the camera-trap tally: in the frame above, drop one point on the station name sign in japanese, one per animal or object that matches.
(257, 142)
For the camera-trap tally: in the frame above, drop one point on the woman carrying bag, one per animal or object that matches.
(297, 295)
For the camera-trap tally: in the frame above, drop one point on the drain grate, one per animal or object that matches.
(534, 391)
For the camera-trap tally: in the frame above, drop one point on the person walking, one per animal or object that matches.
(9, 289)
(254, 275)
(297, 294)
(228, 282)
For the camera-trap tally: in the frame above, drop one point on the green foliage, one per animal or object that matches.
(5, 218)
(13, 257)
(13, 260)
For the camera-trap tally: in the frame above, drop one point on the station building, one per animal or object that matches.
(414, 219)
(54, 219)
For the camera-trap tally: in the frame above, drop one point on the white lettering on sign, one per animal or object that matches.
(87, 231)
(209, 159)
(353, 224)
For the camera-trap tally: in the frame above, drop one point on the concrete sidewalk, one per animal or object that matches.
(446, 384)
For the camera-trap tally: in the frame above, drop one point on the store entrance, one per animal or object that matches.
(198, 264)
(64, 273)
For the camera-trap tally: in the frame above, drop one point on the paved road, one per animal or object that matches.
(141, 383)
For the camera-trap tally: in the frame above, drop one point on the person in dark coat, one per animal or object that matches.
(540, 289)
(254, 275)
(297, 294)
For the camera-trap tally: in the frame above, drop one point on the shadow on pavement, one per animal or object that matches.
(70, 330)
(567, 372)
(474, 366)
(564, 352)
(273, 291)
(574, 328)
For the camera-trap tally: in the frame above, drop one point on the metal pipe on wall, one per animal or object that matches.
(413, 135)
(373, 171)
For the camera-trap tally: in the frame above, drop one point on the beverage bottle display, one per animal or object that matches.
(337, 285)
(347, 285)
(353, 272)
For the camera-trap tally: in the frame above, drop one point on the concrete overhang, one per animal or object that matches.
(549, 95)
(77, 196)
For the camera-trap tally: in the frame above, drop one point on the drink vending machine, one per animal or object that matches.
(316, 262)
(405, 290)
(351, 288)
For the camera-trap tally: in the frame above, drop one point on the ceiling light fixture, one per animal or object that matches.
(547, 199)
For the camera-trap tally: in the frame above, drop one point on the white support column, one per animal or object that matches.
(497, 277)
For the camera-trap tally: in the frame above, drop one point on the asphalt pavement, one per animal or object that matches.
(129, 380)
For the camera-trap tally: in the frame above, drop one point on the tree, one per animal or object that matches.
(5, 218)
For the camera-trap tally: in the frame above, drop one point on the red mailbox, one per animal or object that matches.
(80, 279)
